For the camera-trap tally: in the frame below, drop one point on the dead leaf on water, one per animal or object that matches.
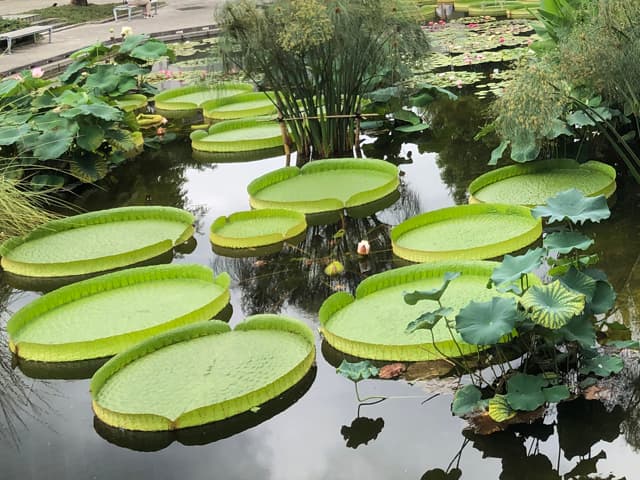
(427, 370)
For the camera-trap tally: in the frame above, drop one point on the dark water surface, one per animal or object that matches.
(315, 431)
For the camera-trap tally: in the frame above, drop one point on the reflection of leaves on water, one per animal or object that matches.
(361, 431)
(439, 474)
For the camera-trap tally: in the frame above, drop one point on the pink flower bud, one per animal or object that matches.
(363, 247)
(37, 72)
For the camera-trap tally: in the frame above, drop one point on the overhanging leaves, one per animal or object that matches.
(414, 297)
(486, 323)
(552, 305)
(572, 205)
(428, 320)
(565, 242)
(512, 268)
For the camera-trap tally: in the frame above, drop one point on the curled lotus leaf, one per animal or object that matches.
(524, 392)
(485, 323)
(572, 205)
(500, 410)
(552, 305)
(512, 268)
(428, 320)
(566, 242)
(411, 298)
(356, 371)
(604, 297)
(466, 400)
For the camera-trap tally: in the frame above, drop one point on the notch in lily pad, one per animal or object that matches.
(411, 298)
(573, 206)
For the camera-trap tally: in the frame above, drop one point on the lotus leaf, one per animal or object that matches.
(428, 320)
(631, 344)
(603, 365)
(468, 232)
(467, 399)
(604, 297)
(524, 392)
(533, 183)
(414, 297)
(257, 228)
(572, 205)
(579, 329)
(579, 282)
(102, 316)
(500, 410)
(556, 394)
(513, 268)
(566, 242)
(485, 323)
(202, 373)
(325, 185)
(357, 371)
(552, 305)
(373, 324)
(96, 241)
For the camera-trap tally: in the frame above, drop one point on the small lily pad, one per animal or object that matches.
(356, 371)
(602, 366)
(466, 400)
(500, 410)
(524, 392)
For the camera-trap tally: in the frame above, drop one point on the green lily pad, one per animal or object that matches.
(257, 228)
(572, 205)
(185, 101)
(202, 373)
(239, 106)
(357, 371)
(325, 185)
(467, 232)
(131, 102)
(102, 316)
(467, 399)
(524, 392)
(603, 365)
(552, 305)
(97, 241)
(566, 242)
(372, 324)
(238, 136)
(533, 183)
(485, 323)
(556, 394)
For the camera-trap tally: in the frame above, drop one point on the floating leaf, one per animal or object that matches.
(414, 297)
(357, 371)
(565, 242)
(428, 320)
(500, 410)
(512, 268)
(603, 365)
(485, 323)
(466, 400)
(572, 205)
(524, 392)
(334, 268)
(556, 394)
(552, 305)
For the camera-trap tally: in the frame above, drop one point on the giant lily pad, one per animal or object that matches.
(97, 241)
(238, 136)
(202, 373)
(468, 232)
(185, 101)
(257, 228)
(533, 183)
(239, 106)
(372, 325)
(107, 314)
(325, 185)
(131, 102)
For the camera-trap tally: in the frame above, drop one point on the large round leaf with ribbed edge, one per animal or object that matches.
(552, 305)
(183, 101)
(533, 183)
(102, 316)
(257, 228)
(373, 323)
(325, 185)
(202, 373)
(97, 241)
(466, 232)
(238, 136)
(245, 105)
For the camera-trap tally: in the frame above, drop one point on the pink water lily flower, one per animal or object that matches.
(363, 247)
(37, 72)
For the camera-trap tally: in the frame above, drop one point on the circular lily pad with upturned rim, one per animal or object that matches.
(373, 323)
(245, 105)
(257, 228)
(104, 315)
(466, 232)
(238, 136)
(97, 241)
(131, 102)
(184, 101)
(533, 183)
(330, 185)
(202, 373)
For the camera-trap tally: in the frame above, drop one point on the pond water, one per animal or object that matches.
(317, 431)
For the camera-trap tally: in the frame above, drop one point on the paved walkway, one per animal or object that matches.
(173, 17)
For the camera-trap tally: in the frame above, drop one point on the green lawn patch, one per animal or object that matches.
(76, 14)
